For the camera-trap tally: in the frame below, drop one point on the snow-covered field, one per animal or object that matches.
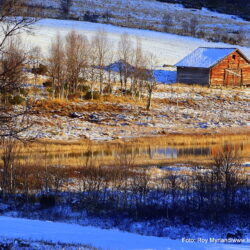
(102, 238)
(168, 48)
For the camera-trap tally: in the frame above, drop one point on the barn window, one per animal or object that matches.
(234, 57)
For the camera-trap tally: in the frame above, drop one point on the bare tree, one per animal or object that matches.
(56, 65)
(66, 5)
(92, 62)
(167, 22)
(35, 59)
(11, 72)
(76, 50)
(193, 26)
(228, 172)
(14, 19)
(101, 46)
(190, 27)
(110, 77)
(241, 36)
(8, 175)
(125, 52)
(138, 71)
(151, 82)
(12, 122)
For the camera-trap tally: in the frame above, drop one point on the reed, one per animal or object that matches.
(145, 150)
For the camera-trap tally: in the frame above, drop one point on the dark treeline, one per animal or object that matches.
(239, 7)
(216, 193)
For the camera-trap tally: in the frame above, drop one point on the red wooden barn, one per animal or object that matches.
(214, 67)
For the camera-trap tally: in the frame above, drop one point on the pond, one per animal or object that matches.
(113, 154)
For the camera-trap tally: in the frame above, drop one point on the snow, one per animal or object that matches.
(205, 57)
(161, 75)
(168, 48)
(46, 3)
(147, 9)
(106, 239)
(165, 76)
(207, 12)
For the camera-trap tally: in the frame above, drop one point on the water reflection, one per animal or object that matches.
(143, 154)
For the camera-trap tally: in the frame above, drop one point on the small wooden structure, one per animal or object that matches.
(214, 67)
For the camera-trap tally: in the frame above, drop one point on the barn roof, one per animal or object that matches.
(205, 57)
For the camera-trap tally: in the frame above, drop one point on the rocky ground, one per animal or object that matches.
(175, 109)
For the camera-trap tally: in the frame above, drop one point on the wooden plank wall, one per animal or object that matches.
(218, 75)
(193, 75)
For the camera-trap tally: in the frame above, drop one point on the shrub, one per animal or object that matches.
(96, 95)
(76, 95)
(24, 92)
(47, 84)
(107, 15)
(167, 22)
(49, 90)
(90, 17)
(107, 90)
(40, 70)
(84, 88)
(126, 92)
(47, 201)
(16, 100)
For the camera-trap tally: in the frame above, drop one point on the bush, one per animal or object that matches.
(126, 92)
(167, 22)
(49, 90)
(47, 84)
(76, 95)
(90, 17)
(96, 95)
(84, 88)
(16, 100)
(107, 90)
(24, 92)
(47, 201)
(41, 70)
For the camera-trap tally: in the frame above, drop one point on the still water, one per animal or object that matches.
(142, 155)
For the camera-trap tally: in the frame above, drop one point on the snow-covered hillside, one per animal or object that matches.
(168, 48)
(102, 238)
(147, 14)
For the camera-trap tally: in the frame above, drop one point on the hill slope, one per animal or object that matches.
(168, 48)
(239, 7)
(152, 15)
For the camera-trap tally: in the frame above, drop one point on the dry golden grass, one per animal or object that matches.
(105, 104)
(181, 88)
(188, 138)
(121, 100)
(176, 140)
(180, 102)
(191, 139)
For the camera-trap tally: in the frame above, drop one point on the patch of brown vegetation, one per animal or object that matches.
(180, 102)
(64, 107)
(122, 100)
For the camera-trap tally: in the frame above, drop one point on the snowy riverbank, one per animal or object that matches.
(96, 237)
